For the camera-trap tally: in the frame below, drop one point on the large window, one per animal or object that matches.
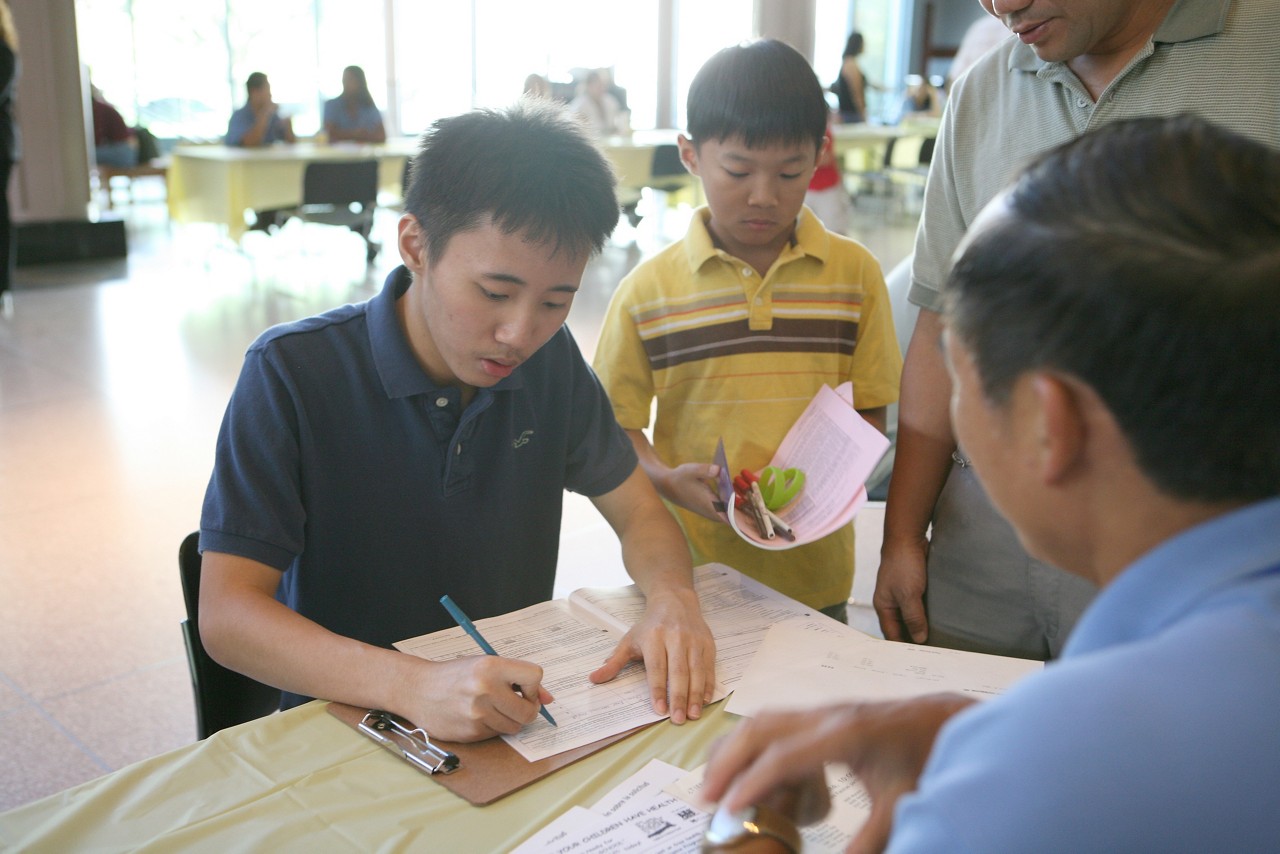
(179, 67)
(884, 25)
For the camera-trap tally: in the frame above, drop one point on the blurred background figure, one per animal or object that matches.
(923, 97)
(10, 150)
(537, 86)
(353, 116)
(851, 86)
(827, 196)
(600, 109)
(114, 142)
(259, 121)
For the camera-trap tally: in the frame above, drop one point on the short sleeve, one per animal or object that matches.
(253, 506)
(877, 360)
(240, 124)
(621, 361)
(942, 225)
(601, 456)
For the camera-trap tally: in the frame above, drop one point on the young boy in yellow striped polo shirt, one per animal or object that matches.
(736, 327)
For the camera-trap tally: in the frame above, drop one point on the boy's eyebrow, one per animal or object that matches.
(513, 279)
(738, 157)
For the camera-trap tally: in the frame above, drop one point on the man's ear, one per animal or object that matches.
(1062, 430)
(688, 154)
(412, 244)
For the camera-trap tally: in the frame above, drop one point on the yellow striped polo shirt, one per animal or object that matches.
(730, 354)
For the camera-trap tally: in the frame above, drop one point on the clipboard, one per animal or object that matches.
(488, 770)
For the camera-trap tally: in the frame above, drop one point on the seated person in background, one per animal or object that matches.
(379, 456)
(735, 328)
(114, 142)
(598, 108)
(1112, 341)
(259, 121)
(537, 86)
(352, 116)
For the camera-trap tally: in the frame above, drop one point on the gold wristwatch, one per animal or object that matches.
(728, 831)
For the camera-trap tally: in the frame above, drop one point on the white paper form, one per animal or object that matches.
(837, 449)
(803, 665)
(850, 808)
(738, 609)
(636, 816)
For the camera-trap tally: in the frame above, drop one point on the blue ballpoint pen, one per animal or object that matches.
(470, 628)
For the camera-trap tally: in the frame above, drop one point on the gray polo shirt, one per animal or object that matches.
(1219, 59)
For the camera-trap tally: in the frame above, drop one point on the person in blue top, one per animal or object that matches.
(259, 121)
(379, 456)
(352, 116)
(1112, 341)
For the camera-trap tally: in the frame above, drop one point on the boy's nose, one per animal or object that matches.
(764, 193)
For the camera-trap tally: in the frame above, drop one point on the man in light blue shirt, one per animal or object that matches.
(259, 121)
(1112, 326)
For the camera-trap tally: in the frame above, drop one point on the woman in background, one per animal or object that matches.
(851, 86)
(10, 150)
(352, 116)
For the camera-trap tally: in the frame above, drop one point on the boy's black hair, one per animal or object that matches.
(762, 92)
(531, 168)
(1144, 260)
(256, 80)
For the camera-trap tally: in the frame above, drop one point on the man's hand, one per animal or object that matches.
(678, 652)
(474, 698)
(885, 744)
(899, 595)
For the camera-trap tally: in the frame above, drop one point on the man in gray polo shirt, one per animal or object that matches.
(1073, 66)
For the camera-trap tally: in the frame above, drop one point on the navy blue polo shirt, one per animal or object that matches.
(343, 465)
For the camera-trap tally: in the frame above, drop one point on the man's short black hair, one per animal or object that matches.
(762, 92)
(1144, 259)
(256, 81)
(531, 168)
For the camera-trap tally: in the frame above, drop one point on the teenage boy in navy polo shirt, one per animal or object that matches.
(381, 455)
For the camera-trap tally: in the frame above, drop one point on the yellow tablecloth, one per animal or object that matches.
(303, 781)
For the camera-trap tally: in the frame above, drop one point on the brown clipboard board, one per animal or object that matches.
(492, 769)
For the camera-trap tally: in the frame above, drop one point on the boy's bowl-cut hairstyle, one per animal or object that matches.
(762, 92)
(1144, 260)
(529, 169)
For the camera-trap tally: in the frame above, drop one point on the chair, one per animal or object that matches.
(341, 192)
(223, 697)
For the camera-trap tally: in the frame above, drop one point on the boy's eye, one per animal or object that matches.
(790, 176)
(493, 295)
(733, 174)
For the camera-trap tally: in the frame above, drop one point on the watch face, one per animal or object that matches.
(728, 826)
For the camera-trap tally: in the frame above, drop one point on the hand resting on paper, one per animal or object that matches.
(783, 753)
(672, 638)
(679, 655)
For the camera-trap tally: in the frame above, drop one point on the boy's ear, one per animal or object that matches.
(688, 154)
(412, 244)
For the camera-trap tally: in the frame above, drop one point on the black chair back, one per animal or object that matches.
(341, 183)
(223, 697)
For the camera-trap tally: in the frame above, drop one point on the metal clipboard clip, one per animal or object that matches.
(413, 745)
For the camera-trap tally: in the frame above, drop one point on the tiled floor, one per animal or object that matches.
(113, 378)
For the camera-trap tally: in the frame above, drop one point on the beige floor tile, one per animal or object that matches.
(39, 759)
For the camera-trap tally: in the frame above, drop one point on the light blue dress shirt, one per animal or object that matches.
(1158, 729)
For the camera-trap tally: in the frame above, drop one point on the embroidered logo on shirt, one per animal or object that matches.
(523, 440)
